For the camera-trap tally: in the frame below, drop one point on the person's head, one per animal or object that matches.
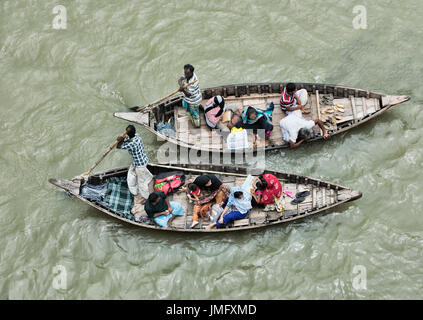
(153, 198)
(238, 194)
(193, 188)
(261, 183)
(188, 71)
(219, 101)
(290, 88)
(305, 134)
(130, 130)
(251, 113)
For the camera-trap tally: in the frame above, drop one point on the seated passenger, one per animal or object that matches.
(293, 101)
(161, 210)
(213, 112)
(255, 119)
(270, 196)
(237, 207)
(296, 130)
(256, 185)
(212, 190)
(193, 191)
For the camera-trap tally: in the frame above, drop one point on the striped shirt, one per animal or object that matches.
(135, 147)
(194, 89)
(287, 101)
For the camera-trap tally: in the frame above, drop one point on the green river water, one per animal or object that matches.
(60, 87)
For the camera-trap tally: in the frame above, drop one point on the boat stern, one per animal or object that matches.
(141, 118)
(71, 186)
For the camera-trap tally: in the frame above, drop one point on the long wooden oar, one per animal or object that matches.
(86, 174)
(138, 109)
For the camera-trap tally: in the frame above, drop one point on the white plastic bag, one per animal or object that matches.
(237, 140)
(215, 212)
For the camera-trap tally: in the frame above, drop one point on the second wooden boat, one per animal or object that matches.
(356, 106)
(323, 196)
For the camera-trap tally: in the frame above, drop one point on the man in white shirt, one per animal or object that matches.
(296, 130)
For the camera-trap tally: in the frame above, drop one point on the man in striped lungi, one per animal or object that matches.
(192, 94)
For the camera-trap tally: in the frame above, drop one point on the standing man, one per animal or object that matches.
(192, 94)
(138, 175)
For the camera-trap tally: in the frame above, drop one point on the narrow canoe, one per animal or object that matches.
(323, 196)
(358, 106)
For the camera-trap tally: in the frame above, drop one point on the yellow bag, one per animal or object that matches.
(235, 129)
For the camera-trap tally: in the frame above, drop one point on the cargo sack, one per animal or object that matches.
(169, 182)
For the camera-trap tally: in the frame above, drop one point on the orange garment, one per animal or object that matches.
(200, 210)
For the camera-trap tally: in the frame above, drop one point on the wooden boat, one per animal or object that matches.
(324, 195)
(359, 106)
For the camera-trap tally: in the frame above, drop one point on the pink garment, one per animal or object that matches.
(211, 118)
(272, 191)
(289, 193)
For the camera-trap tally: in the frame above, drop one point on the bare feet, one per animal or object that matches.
(266, 142)
(169, 223)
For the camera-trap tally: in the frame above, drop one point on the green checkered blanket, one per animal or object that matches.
(118, 197)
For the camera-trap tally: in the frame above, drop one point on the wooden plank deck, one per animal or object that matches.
(355, 108)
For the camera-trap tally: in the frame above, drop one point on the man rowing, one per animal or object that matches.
(139, 176)
(192, 94)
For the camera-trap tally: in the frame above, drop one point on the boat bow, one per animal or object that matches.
(394, 100)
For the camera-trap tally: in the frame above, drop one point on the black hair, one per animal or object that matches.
(153, 197)
(238, 194)
(250, 111)
(192, 186)
(290, 87)
(262, 183)
(131, 131)
(189, 66)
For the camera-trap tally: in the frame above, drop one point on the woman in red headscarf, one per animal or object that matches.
(271, 192)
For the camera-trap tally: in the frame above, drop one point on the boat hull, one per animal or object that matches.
(359, 105)
(324, 196)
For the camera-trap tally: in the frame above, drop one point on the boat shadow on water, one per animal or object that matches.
(126, 229)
